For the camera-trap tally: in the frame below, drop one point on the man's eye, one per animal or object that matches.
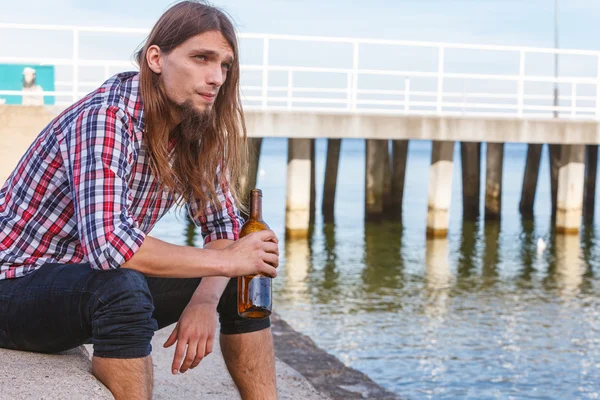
(203, 58)
(227, 66)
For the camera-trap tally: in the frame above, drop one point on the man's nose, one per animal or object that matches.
(215, 77)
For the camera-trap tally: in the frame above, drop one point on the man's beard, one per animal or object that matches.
(194, 124)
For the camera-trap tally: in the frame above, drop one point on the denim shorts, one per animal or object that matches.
(62, 306)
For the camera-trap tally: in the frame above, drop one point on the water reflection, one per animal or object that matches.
(190, 232)
(467, 253)
(569, 271)
(438, 278)
(382, 258)
(331, 274)
(528, 250)
(491, 254)
(297, 261)
(588, 246)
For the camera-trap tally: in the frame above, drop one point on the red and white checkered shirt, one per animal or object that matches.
(84, 192)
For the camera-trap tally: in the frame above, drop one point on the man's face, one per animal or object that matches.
(194, 71)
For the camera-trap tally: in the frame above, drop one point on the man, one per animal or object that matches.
(76, 262)
(33, 96)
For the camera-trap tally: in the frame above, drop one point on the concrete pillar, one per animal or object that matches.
(554, 151)
(530, 178)
(470, 153)
(313, 190)
(387, 178)
(399, 157)
(375, 164)
(331, 173)
(298, 188)
(493, 180)
(570, 189)
(440, 188)
(249, 180)
(591, 167)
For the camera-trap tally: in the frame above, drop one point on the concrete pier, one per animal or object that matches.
(570, 189)
(331, 173)
(440, 188)
(589, 196)
(470, 154)
(249, 180)
(399, 157)
(530, 178)
(297, 217)
(387, 178)
(555, 153)
(313, 189)
(375, 165)
(493, 180)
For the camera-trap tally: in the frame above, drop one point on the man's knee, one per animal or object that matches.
(122, 324)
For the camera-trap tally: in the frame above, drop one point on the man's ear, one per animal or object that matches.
(154, 59)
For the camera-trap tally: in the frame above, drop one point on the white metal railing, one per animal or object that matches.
(355, 96)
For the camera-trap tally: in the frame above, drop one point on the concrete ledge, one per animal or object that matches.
(49, 376)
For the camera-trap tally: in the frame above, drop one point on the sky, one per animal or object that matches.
(487, 22)
(510, 22)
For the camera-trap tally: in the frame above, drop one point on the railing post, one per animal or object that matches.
(406, 94)
(265, 77)
(521, 94)
(440, 85)
(290, 89)
(355, 76)
(75, 64)
(349, 91)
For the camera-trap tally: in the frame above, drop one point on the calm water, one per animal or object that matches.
(499, 311)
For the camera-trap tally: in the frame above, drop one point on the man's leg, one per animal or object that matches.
(247, 347)
(250, 360)
(59, 307)
(125, 378)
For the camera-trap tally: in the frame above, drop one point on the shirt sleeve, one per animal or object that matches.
(218, 224)
(99, 163)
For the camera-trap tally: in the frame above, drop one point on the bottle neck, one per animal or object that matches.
(256, 207)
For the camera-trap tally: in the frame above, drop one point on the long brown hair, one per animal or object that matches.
(194, 168)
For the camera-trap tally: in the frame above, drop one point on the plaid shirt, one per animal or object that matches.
(84, 192)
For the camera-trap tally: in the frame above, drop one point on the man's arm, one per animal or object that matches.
(249, 255)
(211, 288)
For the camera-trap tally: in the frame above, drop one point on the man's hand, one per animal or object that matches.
(196, 330)
(256, 253)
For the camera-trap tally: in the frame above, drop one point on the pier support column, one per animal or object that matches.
(555, 153)
(399, 157)
(440, 188)
(570, 189)
(493, 180)
(331, 174)
(313, 189)
(387, 178)
(375, 164)
(297, 217)
(591, 167)
(530, 178)
(249, 179)
(470, 154)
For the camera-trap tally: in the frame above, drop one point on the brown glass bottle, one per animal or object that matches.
(254, 291)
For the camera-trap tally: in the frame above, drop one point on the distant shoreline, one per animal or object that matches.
(324, 371)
